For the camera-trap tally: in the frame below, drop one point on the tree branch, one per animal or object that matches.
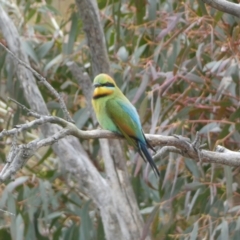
(225, 6)
(170, 143)
(89, 13)
(85, 83)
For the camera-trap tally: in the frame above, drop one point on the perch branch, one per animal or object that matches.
(171, 143)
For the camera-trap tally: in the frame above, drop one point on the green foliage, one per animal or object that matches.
(177, 62)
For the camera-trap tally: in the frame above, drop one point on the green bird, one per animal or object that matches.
(116, 113)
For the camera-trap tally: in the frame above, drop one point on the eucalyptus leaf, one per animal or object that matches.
(224, 230)
(122, 54)
(20, 228)
(80, 117)
(210, 127)
(194, 233)
(44, 49)
(27, 46)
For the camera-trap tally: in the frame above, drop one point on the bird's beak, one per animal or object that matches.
(96, 85)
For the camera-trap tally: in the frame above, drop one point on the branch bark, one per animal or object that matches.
(88, 11)
(225, 6)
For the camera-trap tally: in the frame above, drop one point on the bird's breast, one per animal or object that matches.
(102, 115)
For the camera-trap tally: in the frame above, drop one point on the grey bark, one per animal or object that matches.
(225, 6)
(88, 11)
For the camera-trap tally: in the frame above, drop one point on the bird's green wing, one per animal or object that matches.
(125, 116)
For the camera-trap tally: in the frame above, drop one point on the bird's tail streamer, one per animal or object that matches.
(143, 151)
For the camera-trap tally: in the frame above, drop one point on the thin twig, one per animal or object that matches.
(164, 150)
(43, 80)
(30, 112)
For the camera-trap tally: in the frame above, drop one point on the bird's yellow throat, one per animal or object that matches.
(102, 92)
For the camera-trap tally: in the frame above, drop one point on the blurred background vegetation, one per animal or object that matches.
(177, 61)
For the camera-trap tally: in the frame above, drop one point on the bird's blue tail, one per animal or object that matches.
(143, 151)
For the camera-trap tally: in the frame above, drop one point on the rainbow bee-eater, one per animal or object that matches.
(116, 113)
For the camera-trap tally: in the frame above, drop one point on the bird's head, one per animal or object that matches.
(104, 85)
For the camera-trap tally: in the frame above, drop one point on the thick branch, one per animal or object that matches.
(225, 6)
(89, 14)
(85, 83)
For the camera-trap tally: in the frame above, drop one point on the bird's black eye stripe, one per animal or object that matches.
(107, 84)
